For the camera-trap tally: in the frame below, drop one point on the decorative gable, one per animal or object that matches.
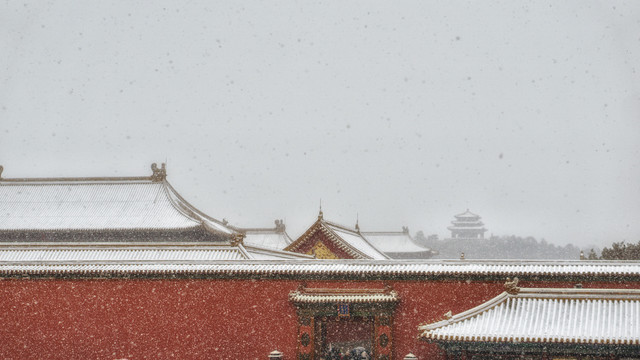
(321, 251)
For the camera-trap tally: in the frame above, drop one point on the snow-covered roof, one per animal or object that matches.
(267, 239)
(52, 253)
(467, 223)
(467, 215)
(264, 253)
(272, 238)
(356, 241)
(98, 204)
(422, 269)
(314, 296)
(463, 228)
(393, 242)
(576, 316)
(349, 240)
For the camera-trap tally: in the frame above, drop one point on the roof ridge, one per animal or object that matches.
(77, 179)
(158, 175)
(343, 227)
(345, 244)
(357, 233)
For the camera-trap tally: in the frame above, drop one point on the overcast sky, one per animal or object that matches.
(401, 112)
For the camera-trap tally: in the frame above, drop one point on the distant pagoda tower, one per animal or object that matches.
(467, 226)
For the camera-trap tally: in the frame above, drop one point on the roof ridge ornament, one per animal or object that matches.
(320, 215)
(159, 174)
(237, 239)
(358, 223)
(511, 287)
(1, 168)
(280, 226)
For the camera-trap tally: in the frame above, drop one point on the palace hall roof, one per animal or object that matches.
(271, 238)
(348, 240)
(531, 315)
(140, 252)
(70, 207)
(70, 253)
(397, 244)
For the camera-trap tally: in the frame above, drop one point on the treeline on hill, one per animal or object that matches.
(498, 247)
(620, 251)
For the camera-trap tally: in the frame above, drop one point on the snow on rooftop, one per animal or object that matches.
(97, 205)
(268, 238)
(393, 242)
(423, 268)
(122, 254)
(357, 241)
(585, 316)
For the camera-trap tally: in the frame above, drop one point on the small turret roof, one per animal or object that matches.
(466, 214)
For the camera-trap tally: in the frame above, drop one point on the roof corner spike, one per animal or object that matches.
(357, 222)
(159, 174)
(1, 168)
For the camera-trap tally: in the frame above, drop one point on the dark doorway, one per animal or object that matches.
(344, 338)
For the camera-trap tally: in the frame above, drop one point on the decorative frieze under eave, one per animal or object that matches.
(316, 296)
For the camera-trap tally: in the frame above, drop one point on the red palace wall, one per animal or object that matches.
(204, 319)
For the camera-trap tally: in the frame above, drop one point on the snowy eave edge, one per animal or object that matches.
(324, 267)
(448, 329)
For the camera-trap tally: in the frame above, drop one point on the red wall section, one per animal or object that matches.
(195, 319)
(145, 319)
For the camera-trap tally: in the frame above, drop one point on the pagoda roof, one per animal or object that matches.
(117, 204)
(476, 228)
(467, 223)
(573, 316)
(466, 214)
(349, 240)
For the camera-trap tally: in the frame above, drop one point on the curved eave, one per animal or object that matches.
(182, 205)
